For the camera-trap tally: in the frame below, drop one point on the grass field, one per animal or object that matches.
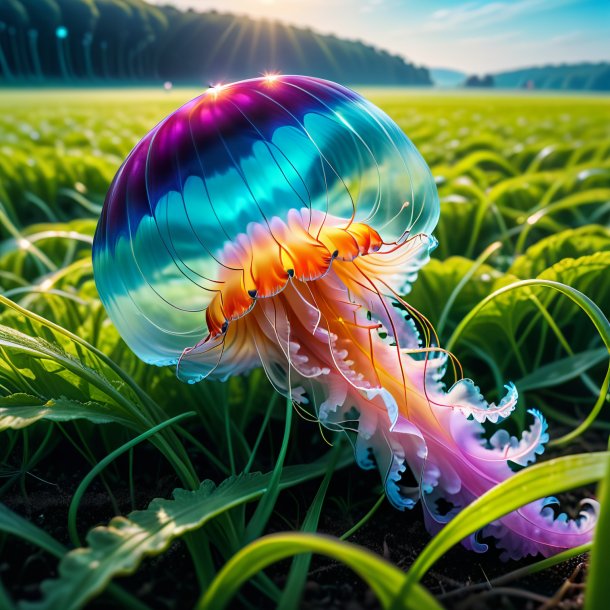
(516, 289)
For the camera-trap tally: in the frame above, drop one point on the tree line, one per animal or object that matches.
(586, 76)
(131, 40)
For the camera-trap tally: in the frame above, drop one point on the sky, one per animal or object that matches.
(474, 36)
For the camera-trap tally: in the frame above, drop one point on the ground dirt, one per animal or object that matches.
(167, 582)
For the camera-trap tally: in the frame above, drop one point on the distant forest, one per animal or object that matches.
(584, 77)
(130, 40)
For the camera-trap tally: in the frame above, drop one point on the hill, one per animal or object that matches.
(130, 40)
(582, 76)
(445, 77)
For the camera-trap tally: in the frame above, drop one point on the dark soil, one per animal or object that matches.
(168, 581)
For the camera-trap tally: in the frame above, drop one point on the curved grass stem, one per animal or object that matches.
(352, 530)
(84, 484)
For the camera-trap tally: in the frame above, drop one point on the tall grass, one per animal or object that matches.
(518, 289)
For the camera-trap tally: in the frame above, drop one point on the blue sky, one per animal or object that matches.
(473, 36)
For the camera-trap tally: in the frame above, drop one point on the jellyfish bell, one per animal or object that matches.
(280, 222)
(222, 170)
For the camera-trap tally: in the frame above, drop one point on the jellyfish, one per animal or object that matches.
(280, 222)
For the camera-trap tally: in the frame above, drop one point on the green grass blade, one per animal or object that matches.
(562, 370)
(38, 348)
(571, 202)
(147, 402)
(532, 483)
(352, 530)
(88, 479)
(585, 303)
(293, 591)
(442, 320)
(6, 603)
(261, 516)
(598, 584)
(119, 548)
(594, 313)
(591, 417)
(132, 409)
(533, 568)
(379, 574)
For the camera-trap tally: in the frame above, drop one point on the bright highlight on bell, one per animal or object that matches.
(271, 77)
(282, 226)
(215, 89)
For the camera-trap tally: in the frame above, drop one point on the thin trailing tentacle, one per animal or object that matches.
(345, 348)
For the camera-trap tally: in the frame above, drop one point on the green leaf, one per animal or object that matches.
(21, 410)
(523, 327)
(511, 305)
(438, 281)
(562, 370)
(11, 523)
(15, 525)
(383, 578)
(89, 375)
(42, 358)
(454, 229)
(572, 243)
(118, 549)
(566, 207)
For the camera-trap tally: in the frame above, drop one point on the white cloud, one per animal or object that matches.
(567, 38)
(475, 15)
(370, 6)
(489, 39)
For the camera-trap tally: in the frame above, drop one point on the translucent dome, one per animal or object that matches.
(244, 153)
